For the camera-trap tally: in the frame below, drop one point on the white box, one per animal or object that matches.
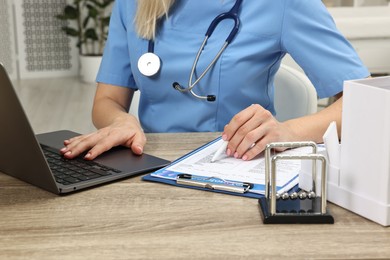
(306, 173)
(364, 177)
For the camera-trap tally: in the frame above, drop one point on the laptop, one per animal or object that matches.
(35, 159)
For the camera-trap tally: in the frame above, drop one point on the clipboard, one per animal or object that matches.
(207, 188)
(217, 184)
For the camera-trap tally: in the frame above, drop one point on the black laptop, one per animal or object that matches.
(36, 159)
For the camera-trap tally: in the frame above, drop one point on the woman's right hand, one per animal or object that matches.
(125, 131)
(116, 126)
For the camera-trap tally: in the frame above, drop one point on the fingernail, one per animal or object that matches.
(245, 158)
(224, 137)
(236, 155)
(63, 149)
(228, 152)
(87, 156)
(68, 153)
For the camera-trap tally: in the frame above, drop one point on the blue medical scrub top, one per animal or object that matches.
(242, 76)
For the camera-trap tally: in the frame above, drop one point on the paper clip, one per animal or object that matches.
(213, 183)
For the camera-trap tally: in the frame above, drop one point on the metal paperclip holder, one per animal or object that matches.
(298, 209)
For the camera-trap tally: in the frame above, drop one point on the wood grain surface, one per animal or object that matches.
(134, 219)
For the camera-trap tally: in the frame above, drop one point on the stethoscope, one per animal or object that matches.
(149, 63)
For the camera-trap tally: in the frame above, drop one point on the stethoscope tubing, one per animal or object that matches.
(231, 14)
(192, 85)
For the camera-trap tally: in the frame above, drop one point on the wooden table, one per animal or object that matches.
(133, 219)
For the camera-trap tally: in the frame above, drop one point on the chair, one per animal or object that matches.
(295, 95)
(134, 104)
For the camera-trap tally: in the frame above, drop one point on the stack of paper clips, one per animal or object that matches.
(297, 206)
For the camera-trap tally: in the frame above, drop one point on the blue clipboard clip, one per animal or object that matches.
(213, 183)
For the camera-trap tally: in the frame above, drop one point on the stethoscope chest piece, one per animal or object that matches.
(149, 64)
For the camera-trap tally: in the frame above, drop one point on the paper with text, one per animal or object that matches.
(229, 168)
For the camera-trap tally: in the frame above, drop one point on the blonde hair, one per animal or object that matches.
(148, 14)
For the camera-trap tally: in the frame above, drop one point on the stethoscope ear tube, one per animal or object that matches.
(178, 87)
(211, 98)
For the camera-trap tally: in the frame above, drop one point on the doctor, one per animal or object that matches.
(209, 65)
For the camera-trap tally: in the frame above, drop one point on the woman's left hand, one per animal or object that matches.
(251, 130)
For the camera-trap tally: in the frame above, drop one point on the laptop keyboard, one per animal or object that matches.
(77, 170)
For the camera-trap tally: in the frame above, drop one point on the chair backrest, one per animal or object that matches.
(295, 95)
(134, 104)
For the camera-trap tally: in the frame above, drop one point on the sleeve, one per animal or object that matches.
(115, 67)
(311, 37)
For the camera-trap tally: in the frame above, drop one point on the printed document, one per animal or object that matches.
(199, 163)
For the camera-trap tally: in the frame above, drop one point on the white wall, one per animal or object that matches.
(32, 43)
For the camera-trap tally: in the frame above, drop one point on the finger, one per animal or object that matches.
(76, 138)
(262, 125)
(69, 141)
(138, 143)
(102, 146)
(80, 144)
(110, 139)
(249, 133)
(234, 131)
(248, 143)
(255, 150)
(237, 121)
(115, 137)
(75, 148)
(266, 133)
